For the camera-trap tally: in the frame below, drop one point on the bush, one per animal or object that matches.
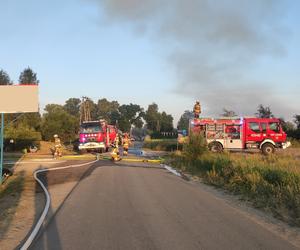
(58, 121)
(162, 145)
(159, 135)
(22, 136)
(195, 146)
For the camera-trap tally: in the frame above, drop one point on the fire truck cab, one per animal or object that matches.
(265, 134)
(96, 136)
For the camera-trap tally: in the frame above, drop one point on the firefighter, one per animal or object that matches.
(197, 109)
(126, 143)
(115, 154)
(57, 147)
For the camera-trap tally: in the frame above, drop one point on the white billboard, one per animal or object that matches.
(19, 98)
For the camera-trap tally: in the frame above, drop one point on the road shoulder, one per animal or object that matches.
(20, 209)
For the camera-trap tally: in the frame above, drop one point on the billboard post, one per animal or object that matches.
(16, 99)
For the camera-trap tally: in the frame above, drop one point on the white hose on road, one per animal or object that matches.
(172, 170)
(38, 225)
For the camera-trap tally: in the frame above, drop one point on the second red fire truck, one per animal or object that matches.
(96, 136)
(265, 134)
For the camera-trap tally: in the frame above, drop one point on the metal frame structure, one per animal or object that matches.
(22, 98)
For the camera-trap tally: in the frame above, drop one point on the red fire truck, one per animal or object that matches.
(265, 134)
(96, 136)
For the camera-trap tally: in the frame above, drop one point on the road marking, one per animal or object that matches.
(38, 225)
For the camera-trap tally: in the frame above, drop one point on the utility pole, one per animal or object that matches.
(85, 111)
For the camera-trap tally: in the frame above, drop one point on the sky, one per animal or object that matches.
(229, 54)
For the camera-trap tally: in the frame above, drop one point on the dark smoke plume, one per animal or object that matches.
(212, 45)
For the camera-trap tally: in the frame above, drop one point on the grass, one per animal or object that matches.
(270, 183)
(14, 185)
(295, 143)
(11, 158)
(162, 144)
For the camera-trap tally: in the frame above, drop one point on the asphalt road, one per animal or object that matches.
(123, 207)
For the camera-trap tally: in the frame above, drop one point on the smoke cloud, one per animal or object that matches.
(213, 46)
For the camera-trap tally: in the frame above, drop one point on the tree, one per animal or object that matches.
(58, 121)
(130, 114)
(4, 78)
(105, 108)
(264, 112)
(94, 110)
(158, 122)
(124, 124)
(152, 117)
(138, 122)
(125, 115)
(28, 76)
(31, 120)
(72, 106)
(115, 117)
(228, 113)
(183, 122)
(166, 122)
(297, 121)
(286, 125)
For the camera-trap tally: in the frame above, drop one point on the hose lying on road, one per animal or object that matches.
(38, 225)
(133, 159)
(172, 170)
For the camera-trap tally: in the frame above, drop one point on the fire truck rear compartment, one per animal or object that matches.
(228, 135)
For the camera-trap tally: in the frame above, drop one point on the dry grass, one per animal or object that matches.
(162, 144)
(12, 186)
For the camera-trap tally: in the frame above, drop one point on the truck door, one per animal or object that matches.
(233, 137)
(264, 131)
(254, 132)
(274, 132)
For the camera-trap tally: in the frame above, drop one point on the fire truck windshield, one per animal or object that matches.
(90, 128)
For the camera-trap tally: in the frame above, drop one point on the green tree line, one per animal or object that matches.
(64, 120)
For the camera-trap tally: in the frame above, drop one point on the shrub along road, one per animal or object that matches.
(123, 206)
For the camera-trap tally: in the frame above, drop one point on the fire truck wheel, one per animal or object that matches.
(267, 149)
(215, 147)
